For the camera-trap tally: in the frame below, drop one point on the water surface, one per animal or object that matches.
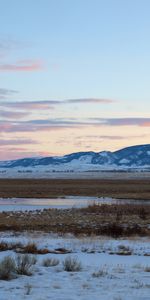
(22, 204)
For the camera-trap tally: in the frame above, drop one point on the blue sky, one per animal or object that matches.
(92, 52)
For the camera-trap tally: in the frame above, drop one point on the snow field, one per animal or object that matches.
(103, 276)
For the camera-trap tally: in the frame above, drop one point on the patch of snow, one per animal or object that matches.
(124, 161)
(120, 277)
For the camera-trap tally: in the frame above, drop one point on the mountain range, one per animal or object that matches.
(127, 158)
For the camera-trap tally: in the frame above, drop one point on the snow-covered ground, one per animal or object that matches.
(103, 276)
(46, 172)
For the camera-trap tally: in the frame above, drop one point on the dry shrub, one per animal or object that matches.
(147, 269)
(24, 263)
(3, 246)
(124, 250)
(20, 265)
(50, 262)
(71, 264)
(118, 209)
(101, 273)
(7, 268)
(30, 248)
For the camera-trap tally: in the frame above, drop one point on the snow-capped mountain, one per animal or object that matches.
(130, 157)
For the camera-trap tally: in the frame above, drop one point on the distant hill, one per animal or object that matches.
(130, 157)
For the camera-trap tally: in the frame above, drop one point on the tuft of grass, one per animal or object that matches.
(119, 269)
(3, 246)
(138, 284)
(124, 247)
(124, 250)
(7, 268)
(72, 264)
(56, 286)
(24, 263)
(50, 262)
(28, 288)
(30, 248)
(100, 273)
(147, 269)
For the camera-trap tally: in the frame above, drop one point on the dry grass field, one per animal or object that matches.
(48, 188)
(112, 220)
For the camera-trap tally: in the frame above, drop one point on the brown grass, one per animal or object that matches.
(113, 220)
(48, 188)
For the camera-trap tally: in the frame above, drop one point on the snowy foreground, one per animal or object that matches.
(104, 274)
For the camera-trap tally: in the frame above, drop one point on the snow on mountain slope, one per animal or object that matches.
(127, 158)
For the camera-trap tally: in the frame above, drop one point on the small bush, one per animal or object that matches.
(124, 247)
(24, 262)
(143, 213)
(7, 268)
(3, 246)
(101, 273)
(30, 248)
(119, 269)
(71, 264)
(147, 269)
(124, 250)
(50, 262)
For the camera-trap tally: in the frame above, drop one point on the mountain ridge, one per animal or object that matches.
(129, 157)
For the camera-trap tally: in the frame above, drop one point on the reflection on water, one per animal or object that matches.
(17, 204)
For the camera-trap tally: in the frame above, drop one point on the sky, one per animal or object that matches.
(74, 76)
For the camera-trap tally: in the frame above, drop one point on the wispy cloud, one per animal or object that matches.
(10, 142)
(9, 43)
(59, 124)
(44, 104)
(121, 121)
(96, 138)
(5, 93)
(13, 114)
(22, 66)
(90, 100)
(38, 125)
(103, 137)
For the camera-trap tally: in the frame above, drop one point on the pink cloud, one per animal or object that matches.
(15, 153)
(23, 66)
(20, 141)
(13, 114)
(146, 124)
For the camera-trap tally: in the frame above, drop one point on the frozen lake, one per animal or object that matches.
(22, 204)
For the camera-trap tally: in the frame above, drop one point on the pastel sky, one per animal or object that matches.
(74, 76)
